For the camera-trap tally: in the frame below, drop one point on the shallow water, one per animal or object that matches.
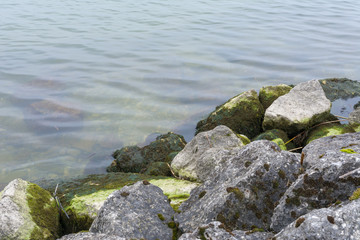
(79, 79)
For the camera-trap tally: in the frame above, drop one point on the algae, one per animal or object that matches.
(355, 195)
(349, 151)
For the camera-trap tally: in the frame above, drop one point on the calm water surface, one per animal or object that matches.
(80, 78)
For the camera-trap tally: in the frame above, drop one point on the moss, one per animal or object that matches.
(337, 202)
(202, 233)
(293, 214)
(244, 139)
(254, 230)
(146, 182)
(238, 194)
(299, 221)
(124, 194)
(349, 151)
(174, 226)
(275, 184)
(295, 201)
(161, 217)
(266, 166)
(44, 213)
(247, 164)
(355, 195)
(327, 130)
(202, 194)
(221, 218)
(281, 174)
(331, 219)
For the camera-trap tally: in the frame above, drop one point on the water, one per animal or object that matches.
(79, 79)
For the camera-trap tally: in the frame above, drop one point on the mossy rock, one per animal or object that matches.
(158, 169)
(242, 113)
(327, 130)
(31, 212)
(268, 94)
(82, 198)
(277, 136)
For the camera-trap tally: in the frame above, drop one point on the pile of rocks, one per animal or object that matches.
(240, 189)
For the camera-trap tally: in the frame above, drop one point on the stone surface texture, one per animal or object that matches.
(242, 193)
(304, 106)
(268, 94)
(335, 223)
(205, 152)
(242, 113)
(27, 212)
(354, 119)
(134, 212)
(136, 159)
(90, 236)
(325, 161)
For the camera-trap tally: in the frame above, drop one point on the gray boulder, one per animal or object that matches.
(137, 211)
(242, 113)
(354, 119)
(304, 106)
(326, 161)
(334, 223)
(243, 193)
(27, 212)
(204, 153)
(217, 230)
(90, 236)
(136, 159)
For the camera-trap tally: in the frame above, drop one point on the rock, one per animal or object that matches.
(242, 113)
(277, 136)
(205, 152)
(327, 130)
(340, 88)
(217, 230)
(51, 116)
(354, 119)
(339, 222)
(269, 94)
(243, 193)
(137, 211)
(322, 184)
(304, 106)
(90, 236)
(158, 169)
(83, 197)
(136, 159)
(28, 212)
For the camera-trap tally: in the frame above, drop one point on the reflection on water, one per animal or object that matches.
(80, 79)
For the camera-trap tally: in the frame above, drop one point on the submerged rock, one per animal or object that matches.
(268, 94)
(304, 106)
(242, 113)
(340, 88)
(244, 192)
(339, 222)
(136, 159)
(322, 184)
(204, 153)
(28, 212)
(134, 212)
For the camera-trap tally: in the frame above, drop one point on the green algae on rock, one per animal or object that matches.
(82, 198)
(242, 113)
(268, 94)
(355, 195)
(277, 136)
(327, 130)
(29, 212)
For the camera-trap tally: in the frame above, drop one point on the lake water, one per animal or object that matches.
(81, 78)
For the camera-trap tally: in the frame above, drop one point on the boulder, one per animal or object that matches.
(304, 106)
(217, 230)
(90, 236)
(137, 211)
(205, 152)
(327, 130)
(83, 197)
(354, 119)
(136, 159)
(158, 169)
(340, 88)
(338, 222)
(322, 183)
(243, 193)
(28, 212)
(242, 113)
(268, 94)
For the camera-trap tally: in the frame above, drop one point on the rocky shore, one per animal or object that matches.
(270, 165)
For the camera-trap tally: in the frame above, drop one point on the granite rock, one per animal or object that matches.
(304, 106)
(90, 236)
